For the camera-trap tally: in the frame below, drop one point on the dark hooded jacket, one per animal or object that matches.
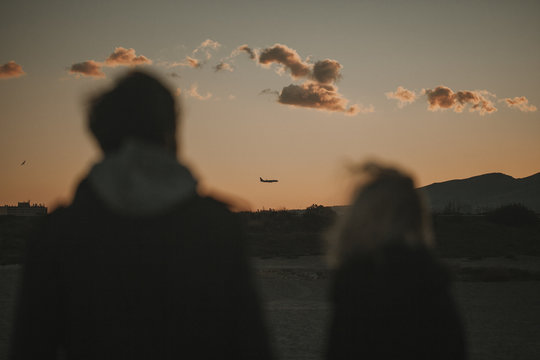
(109, 279)
(395, 304)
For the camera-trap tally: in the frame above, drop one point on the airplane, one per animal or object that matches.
(267, 181)
(24, 162)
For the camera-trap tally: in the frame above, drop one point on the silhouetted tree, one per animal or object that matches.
(317, 217)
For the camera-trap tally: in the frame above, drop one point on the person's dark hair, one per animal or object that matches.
(138, 106)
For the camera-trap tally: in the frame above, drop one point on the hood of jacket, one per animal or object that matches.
(141, 179)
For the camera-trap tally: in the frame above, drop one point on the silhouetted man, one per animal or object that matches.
(139, 266)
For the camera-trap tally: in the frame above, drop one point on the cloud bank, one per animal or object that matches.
(442, 98)
(519, 102)
(11, 70)
(402, 95)
(318, 91)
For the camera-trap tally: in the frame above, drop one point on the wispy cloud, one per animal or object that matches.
(404, 96)
(359, 109)
(269, 91)
(442, 98)
(193, 92)
(519, 102)
(223, 66)
(226, 62)
(194, 60)
(245, 48)
(11, 70)
(89, 68)
(194, 63)
(126, 57)
(205, 48)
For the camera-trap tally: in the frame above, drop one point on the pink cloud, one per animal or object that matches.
(443, 97)
(193, 92)
(194, 63)
(327, 71)
(88, 68)
(520, 102)
(11, 70)
(289, 58)
(126, 57)
(206, 46)
(318, 96)
(359, 109)
(223, 66)
(189, 61)
(245, 48)
(404, 96)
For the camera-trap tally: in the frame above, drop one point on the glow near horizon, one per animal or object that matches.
(231, 143)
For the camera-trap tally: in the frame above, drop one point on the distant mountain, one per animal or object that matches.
(484, 192)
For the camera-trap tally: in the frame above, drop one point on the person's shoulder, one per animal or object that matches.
(210, 203)
(396, 264)
(422, 266)
(412, 257)
(210, 208)
(51, 220)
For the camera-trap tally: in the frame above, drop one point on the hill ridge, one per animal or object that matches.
(483, 192)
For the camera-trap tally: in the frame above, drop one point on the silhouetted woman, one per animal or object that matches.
(391, 295)
(139, 265)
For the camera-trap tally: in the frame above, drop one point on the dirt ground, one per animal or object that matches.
(502, 319)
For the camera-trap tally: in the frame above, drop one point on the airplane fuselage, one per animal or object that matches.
(267, 181)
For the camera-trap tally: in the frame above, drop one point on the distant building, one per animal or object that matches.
(24, 209)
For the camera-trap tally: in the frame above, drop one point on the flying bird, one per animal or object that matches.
(24, 162)
(267, 181)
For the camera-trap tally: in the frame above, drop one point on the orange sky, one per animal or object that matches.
(240, 123)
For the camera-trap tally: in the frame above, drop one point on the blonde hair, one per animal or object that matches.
(386, 209)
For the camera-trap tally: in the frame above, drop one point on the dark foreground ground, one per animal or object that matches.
(284, 234)
(496, 264)
(502, 317)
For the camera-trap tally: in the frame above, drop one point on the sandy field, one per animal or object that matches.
(502, 318)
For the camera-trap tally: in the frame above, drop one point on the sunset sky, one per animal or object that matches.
(444, 89)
